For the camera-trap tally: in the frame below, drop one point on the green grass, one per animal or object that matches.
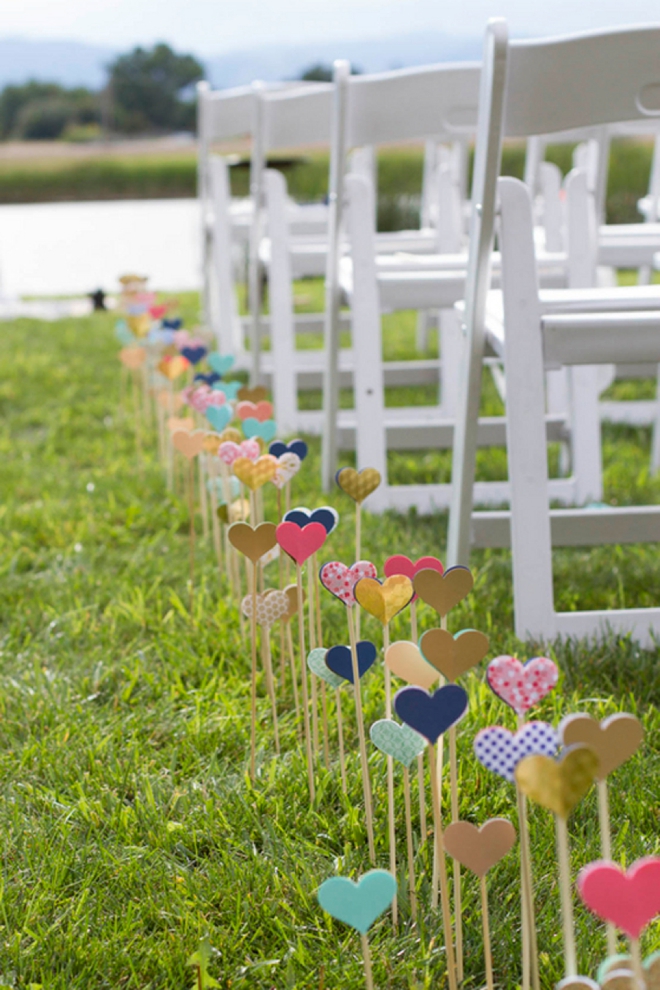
(130, 828)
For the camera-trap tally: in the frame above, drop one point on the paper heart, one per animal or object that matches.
(400, 564)
(317, 665)
(172, 367)
(123, 334)
(616, 962)
(189, 444)
(194, 354)
(623, 979)
(231, 435)
(615, 739)
(219, 416)
(208, 379)
(132, 357)
(521, 685)
(431, 714)
(173, 323)
(291, 592)
(405, 661)
(453, 655)
(236, 512)
(628, 899)
(558, 785)
(254, 428)
(340, 580)
(169, 400)
(478, 849)
(252, 542)
(228, 452)
(185, 423)
(254, 474)
(385, 600)
(220, 363)
(443, 591)
(140, 324)
(271, 606)
(261, 411)
(579, 983)
(299, 447)
(288, 466)
(211, 446)
(340, 661)
(246, 394)
(400, 742)
(230, 389)
(500, 750)
(358, 904)
(326, 515)
(358, 484)
(299, 543)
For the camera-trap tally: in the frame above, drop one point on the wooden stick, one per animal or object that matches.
(268, 668)
(137, 415)
(191, 513)
(294, 675)
(421, 789)
(303, 672)
(453, 778)
(312, 645)
(366, 955)
(340, 733)
(485, 926)
(409, 844)
(358, 551)
(390, 777)
(638, 969)
(168, 437)
(324, 712)
(366, 781)
(570, 957)
(203, 501)
(215, 529)
(530, 957)
(606, 849)
(253, 634)
(440, 762)
(442, 868)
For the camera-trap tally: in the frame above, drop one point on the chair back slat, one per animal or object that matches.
(298, 118)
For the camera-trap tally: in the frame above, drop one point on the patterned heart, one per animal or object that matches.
(299, 543)
(405, 661)
(132, 357)
(443, 591)
(252, 542)
(400, 742)
(326, 515)
(219, 416)
(220, 363)
(628, 899)
(189, 444)
(340, 660)
(358, 904)
(521, 685)
(558, 785)
(431, 714)
(358, 484)
(340, 580)
(288, 466)
(500, 750)
(266, 430)
(400, 564)
(246, 394)
(254, 474)
(194, 354)
(317, 665)
(271, 606)
(261, 411)
(478, 849)
(453, 655)
(385, 600)
(615, 739)
(299, 447)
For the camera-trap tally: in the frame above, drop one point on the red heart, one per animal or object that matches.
(300, 542)
(629, 900)
(400, 564)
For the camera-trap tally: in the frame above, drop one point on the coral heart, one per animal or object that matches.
(500, 750)
(340, 580)
(358, 904)
(185, 423)
(132, 357)
(219, 416)
(431, 714)
(326, 515)
(358, 484)
(521, 685)
(254, 474)
(194, 354)
(558, 785)
(443, 591)
(479, 848)
(172, 367)
(405, 661)
(251, 542)
(630, 899)
(256, 394)
(299, 447)
(288, 466)
(220, 363)
(453, 655)
(299, 543)
(400, 564)
(614, 739)
(400, 742)
(189, 444)
(339, 659)
(383, 601)
(260, 411)
(254, 428)
(271, 606)
(317, 665)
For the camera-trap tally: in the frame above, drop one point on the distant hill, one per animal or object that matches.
(70, 63)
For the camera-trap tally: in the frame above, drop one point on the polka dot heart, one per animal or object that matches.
(340, 580)
(521, 685)
(500, 750)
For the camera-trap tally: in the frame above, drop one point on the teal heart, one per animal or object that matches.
(123, 334)
(219, 416)
(358, 904)
(229, 388)
(266, 430)
(220, 363)
(316, 663)
(398, 741)
(219, 485)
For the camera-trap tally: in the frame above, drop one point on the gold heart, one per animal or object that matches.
(577, 983)
(383, 601)
(230, 433)
(291, 592)
(139, 325)
(358, 484)
(257, 394)
(615, 739)
(174, 367)
(254, 474)
(622, 979)
(558, 786)
(405, 661)
(453, 655)
(211, 443)
(443, 591)
(479, 848)
(251, 542)
(132, 357)
(180, 423)
(189, 444)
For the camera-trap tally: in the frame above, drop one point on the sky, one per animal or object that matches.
(211, 27)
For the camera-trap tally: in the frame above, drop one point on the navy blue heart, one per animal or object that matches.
(338, 659)
(194, 354)
(431, 714)
(173, 324)
(278, 447)
(210, 379)
(301, 517)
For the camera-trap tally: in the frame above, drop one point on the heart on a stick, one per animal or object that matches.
(358, 904)
(188, 444)
(385, 600)
(252, 542)
(256, 394)
(558, 785)
(615, 739)
(479, 848)
(521, 685)
(317, 665)
(405, 661)
(628, 899)
(398, 563)
(300, 543)
(287, 468)
(400, 742)
(501, 750)
(255, 474)
(291, 592)
(175, 423)
(453, 655)
(340, 660)
(260, 411)
(358, 484)
(340, 580)
(271, 606)
(431, 714)
(132, 357)
(443, 591)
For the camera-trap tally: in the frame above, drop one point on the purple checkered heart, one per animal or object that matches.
(501, 750)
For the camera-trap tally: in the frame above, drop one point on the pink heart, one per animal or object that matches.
(629, 900)
(400, 564)
(250, 449)
(521, 685)
(228, 451)
(261, 411)
(340, 580)
(300, 542)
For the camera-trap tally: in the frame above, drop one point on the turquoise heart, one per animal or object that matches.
(253, 428)
(219, 485)
(316, 663)
(219, 416)
(123, 334)
(229, 388)
(358, 904)
(220, 363)
(398, 741)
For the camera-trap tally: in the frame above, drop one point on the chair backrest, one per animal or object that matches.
(297, 117)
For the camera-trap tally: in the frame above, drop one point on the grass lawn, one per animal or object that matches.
(130, 827)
